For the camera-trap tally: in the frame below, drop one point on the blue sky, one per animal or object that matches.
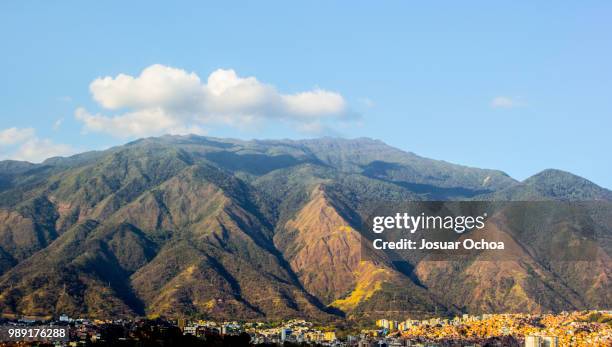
(518, 86)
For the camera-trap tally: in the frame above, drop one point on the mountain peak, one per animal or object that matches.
(548, 174)
(555, 177)
(558, 185)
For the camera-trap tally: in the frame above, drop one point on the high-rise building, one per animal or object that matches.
(550, 341)
(182, 322)
(382, 323)
(532, 341)
(541, 341)
(329, 336)
(285, 333)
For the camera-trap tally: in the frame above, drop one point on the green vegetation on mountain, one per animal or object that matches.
(218, 228)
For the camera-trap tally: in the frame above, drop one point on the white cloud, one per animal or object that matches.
(23, 144)
(14, 135)
(317, 103)
(157, 86)
(37, 150)
(506, 102)
(164, 99)
(138, 123)
(58, 123)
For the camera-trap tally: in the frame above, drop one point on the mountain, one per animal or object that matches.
(553, 185)
(223, 228)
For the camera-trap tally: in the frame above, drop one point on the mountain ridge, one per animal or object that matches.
(10, 166)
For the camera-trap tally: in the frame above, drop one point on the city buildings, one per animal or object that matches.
(587, 328)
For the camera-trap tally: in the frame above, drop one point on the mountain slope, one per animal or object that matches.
(219, 228)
